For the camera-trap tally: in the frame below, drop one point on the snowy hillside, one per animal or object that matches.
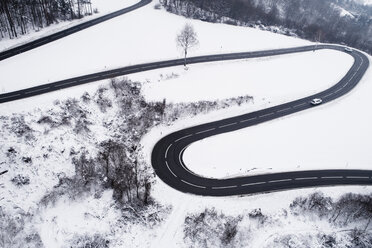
(102, 6)
(342, 140)
(60, 191)
(128, 40)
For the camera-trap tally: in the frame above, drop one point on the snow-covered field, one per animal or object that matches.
(103, 7)
(335, 135)
(140, 36)
(272, 79)
(342, 129)
(274, 204)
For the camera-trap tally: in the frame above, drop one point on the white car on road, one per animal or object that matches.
(348, 49)
(316, 101)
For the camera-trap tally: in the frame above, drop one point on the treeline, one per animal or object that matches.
(349, 219)
(317, 20)
(18, 17)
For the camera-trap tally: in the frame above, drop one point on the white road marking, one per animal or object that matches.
(112, 73)
(5, 97)
(170, 168)
(205, 131)
(248, 119)
(182, 164)
(332, 177)
(149, 66)
(37, 43)
(281, 180)
(298, 105)
(225, 187)
(266, 114)
(166, 152)
(184, 137)
(67, 83)
(306, 178)
(330, 94)
(228, 125)
(338, 90)
(357, 177)
(282, 110)
(95, 77)
(198, 186)
(29, 92)
(250, 184)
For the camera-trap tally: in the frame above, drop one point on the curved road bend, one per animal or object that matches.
(46, 88)
(50, 38)
(167, 153)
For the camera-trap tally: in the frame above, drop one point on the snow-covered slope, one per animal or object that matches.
(130, 40)
(332, 136)
(272, 79)
(140, 36)
(103, 7)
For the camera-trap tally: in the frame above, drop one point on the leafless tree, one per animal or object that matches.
(187, 39)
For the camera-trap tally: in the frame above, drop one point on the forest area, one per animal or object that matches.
(343, 22)
(18, 17)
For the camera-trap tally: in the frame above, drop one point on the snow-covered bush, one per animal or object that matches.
(315, 203)
(102, 99)
(21, 128)
(14, 231)
(86, 97)
(88, 241)
(70, 113)
(210, 229)
(20, 180)
(157, 6)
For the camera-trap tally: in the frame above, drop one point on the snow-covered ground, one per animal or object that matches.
(335, 135)
(103, 7)
(269, 80)
(140, 36)
(272, 79)
(171, 235)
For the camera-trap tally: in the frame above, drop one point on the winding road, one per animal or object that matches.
(167, 154)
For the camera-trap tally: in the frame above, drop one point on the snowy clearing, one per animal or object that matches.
(269, 80)
(341, 140)
(103, 6)
(275, 79)
(128, 40)
(171, 235)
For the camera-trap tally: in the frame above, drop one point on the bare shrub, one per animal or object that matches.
(210, 229)
(102, 100)
(87, 241)
(21, 128)
(20, 180)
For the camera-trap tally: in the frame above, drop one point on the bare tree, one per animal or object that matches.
(187, 39)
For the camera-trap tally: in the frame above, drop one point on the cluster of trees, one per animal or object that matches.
(320, 20)
(211, 229)
(350, 208)
(351, 213)
(15, 231)
(118, 164)
(118, 167)
(17, 17)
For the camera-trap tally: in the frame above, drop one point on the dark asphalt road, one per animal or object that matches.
(167, 153)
